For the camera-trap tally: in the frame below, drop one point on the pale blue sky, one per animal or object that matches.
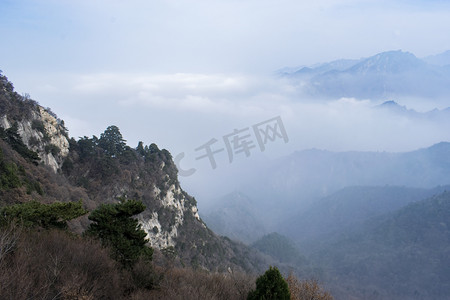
(211, 36)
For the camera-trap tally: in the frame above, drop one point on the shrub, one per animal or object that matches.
(9, 174)
(39, 126)
(12, 137)
(53, 149)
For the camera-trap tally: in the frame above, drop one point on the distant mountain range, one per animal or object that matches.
(385, 75)
(347, 210)
(399, 255)
(291, 185)
(314, 172)
(434, 115)
(365, 242)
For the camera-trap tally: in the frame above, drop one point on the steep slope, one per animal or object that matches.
(41, 163)
(33, 144)
(39, 128)
(109, 169)
(402, 255)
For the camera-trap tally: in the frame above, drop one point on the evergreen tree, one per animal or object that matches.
(12, 137)
(86, 147)
(270, 286)
(33, 214)
(140, 148)
(114, 226)
(112, 142)
(8, 174)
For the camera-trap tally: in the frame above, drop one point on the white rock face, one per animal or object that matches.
(38, 141)
(4, 122)
(175, 201)
(54, 131)
(156, 236)
(194, 210)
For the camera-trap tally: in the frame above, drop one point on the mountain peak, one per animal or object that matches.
(386, 74)
(389, 103)
(388, 62)
(393, 106)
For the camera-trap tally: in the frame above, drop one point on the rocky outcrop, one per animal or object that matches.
(43, 133)
(175, 203)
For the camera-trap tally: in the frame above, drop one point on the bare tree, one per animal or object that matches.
(8, 239)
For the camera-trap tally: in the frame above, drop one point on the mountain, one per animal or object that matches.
(393, 106)
(322, 172)
(391, 62)
(400, 255)
(389, 74)
(286, 188)
(280, 247)
(336, 65)
(435, 115)
(360, 217)
(39, 128)
(348, 209)
(402, 109)
(40, 162)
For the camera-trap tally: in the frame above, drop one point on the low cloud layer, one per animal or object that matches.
(181, 112)
(173, 106)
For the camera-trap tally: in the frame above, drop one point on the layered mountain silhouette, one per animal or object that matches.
(385, 75)
(399, 255)
(442, 59)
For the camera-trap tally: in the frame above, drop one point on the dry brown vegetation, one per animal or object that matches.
(306, 289)
(57, 265)
(179, 283)
(37, 264)
(40, 264)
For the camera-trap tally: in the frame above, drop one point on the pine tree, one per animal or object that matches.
(112, 142)
(270, 286)
(114, 226)
(33, 214)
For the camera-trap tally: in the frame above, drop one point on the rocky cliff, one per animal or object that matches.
(40, 129)
(106, 170)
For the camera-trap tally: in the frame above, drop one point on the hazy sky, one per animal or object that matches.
(211, 35)
(179, 73)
